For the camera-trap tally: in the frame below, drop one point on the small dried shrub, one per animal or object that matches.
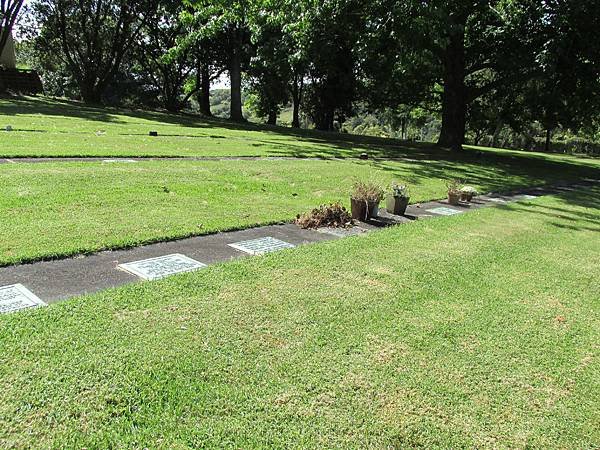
(454, 186)
(332, 215)
(369, 192)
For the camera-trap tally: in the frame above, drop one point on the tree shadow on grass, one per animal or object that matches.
(329, 144)
(585, 217)
(491, 172)
(474, 165)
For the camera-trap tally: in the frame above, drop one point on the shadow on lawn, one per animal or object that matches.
(588, 198)
(474, 165)
(489, 172)
(331, 144)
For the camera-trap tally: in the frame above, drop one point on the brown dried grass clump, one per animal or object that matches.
(332, 215)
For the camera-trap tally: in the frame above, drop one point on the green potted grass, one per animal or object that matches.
(397, 201)
(454, 187)
(467, 193)
(365, 199)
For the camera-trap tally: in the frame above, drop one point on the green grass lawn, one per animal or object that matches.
(58, 209)
(53, 128)
(480, 330)
(48, 127)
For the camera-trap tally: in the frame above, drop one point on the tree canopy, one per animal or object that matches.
(476, 65)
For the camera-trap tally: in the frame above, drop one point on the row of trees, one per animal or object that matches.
(478, 64)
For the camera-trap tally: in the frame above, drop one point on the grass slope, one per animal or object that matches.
(474, 331)
(49, 127)
(52, 128)
(58, 209)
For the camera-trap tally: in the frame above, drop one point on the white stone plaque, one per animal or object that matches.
(17, 297)
(163, 266)
(496, 200)
(342, 232)
(119, 161)
(443, 211)
(527, 197)
(261, 246)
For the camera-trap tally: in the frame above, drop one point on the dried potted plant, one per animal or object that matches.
(397, 201)
(454, 187)
(467, 193)
(365, 199)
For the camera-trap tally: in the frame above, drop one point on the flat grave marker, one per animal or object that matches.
(496, 200)
(342, 232)
(528, 197)
(261, 246)
(443, 211)
(17, 297)
(163, 266)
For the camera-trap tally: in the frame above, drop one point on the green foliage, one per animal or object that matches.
(90, 38)
(400, 190)
(494, 73)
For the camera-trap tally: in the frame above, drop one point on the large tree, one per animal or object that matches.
(9, 11)
(231, 21)
(334, 29)
(92, 37)
(270, 72)
(563, 89)
(163, 61)
(441, 51)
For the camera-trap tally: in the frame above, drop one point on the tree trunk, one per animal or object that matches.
(235, 78)
(204, 96)
(90, 92)
(296, 100)
(496, 134)
(324, 119)
(172, 103)
(171, 94)
(547, 144)
(403, 125)
(272, 119)
(454, 97)
(296, 114)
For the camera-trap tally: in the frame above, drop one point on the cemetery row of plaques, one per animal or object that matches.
(17, 297)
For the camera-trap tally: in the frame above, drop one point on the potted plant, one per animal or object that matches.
(454, 187)
(397, 202)
(365, 199)
(467, 193)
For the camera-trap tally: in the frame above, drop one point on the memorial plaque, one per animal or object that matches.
(443, 211)
(163, 266)
(528, 197)
(17, 297)
(496, 200)
(119, 161)
(261, 246)
(342, 232)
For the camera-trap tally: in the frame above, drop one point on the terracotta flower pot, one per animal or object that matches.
(358, 209)
(453, 198)
(397, 205)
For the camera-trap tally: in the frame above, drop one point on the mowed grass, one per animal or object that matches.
(52, 127)
(46, 127)
(50, 210)
(474, 331)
